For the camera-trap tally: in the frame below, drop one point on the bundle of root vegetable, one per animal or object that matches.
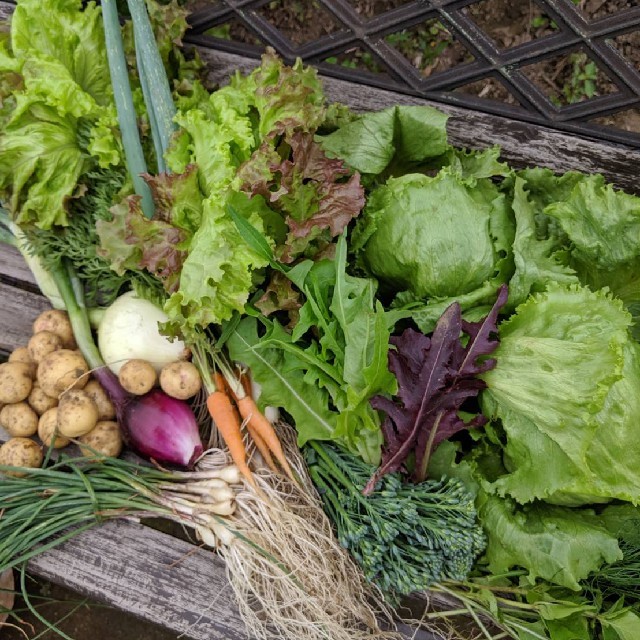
(262, 515)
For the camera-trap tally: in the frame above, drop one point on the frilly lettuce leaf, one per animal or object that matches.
(131, 241)
(538, 261)
(40, 164)
(567, 392)
(62, 111)
(602, 223)
(316, 195)
(216, 138)
(61, 32)
(217, 275)
(286, 97)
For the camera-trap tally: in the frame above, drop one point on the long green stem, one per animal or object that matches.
(124, 104)
(77, 316)
(155, 132)
(153, 75)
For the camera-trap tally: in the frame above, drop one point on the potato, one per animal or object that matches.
(57, 322)
(137, 376)
(106, 410)
(20, 452)
(61, 370)
(39, 401)
(77, 414)
(19, 419)
(42, 344)
(180, 380)
(48, 430)
(105, 439)
(15, 382)
(21, 354)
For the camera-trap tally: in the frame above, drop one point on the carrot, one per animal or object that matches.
(221, 384)
(245, 380)
(228, 424)
(254, 418)
(262, 448)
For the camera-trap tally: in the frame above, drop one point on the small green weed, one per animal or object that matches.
(581, 84)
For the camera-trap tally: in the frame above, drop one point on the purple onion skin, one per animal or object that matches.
(155, 425)
(163, 428)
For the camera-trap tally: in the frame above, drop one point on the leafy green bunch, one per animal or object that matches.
(405, 536)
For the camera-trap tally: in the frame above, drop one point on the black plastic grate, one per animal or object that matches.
(489, 64)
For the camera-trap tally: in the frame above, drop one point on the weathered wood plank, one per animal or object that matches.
(13, 266)
(18, 310)
(149, 574)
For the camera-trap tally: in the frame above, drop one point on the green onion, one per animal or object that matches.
(155, 133)
(124, 105)
(153, 76)
(50, 505)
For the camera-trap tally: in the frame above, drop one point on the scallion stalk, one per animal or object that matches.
(124, 104)
(153, 123)
(152, 73)
(51, 505)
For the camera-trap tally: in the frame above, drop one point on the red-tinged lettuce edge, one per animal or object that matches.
(435, 376)
(313, 192)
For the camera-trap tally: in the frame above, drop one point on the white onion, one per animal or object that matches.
(129, 329)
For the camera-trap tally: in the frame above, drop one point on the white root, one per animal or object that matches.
(290, 576)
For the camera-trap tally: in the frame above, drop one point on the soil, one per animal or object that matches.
(77, 617)
(566, 79)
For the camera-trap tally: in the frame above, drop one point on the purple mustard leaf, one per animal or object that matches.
(435, 376)
(482, 338)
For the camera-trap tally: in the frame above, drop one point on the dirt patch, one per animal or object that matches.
(566, 79)
(79, 618)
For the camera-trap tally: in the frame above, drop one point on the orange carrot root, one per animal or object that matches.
(245, 380)
(228, 424)
(250, 413)
(262, 448)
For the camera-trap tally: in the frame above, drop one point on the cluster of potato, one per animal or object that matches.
(47, 398)
(179, 379)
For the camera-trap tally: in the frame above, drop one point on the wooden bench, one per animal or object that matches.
(166, 580)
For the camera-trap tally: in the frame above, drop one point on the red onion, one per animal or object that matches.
(155, 425)
(163, 428)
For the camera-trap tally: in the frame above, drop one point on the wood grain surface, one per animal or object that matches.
(149, 574)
